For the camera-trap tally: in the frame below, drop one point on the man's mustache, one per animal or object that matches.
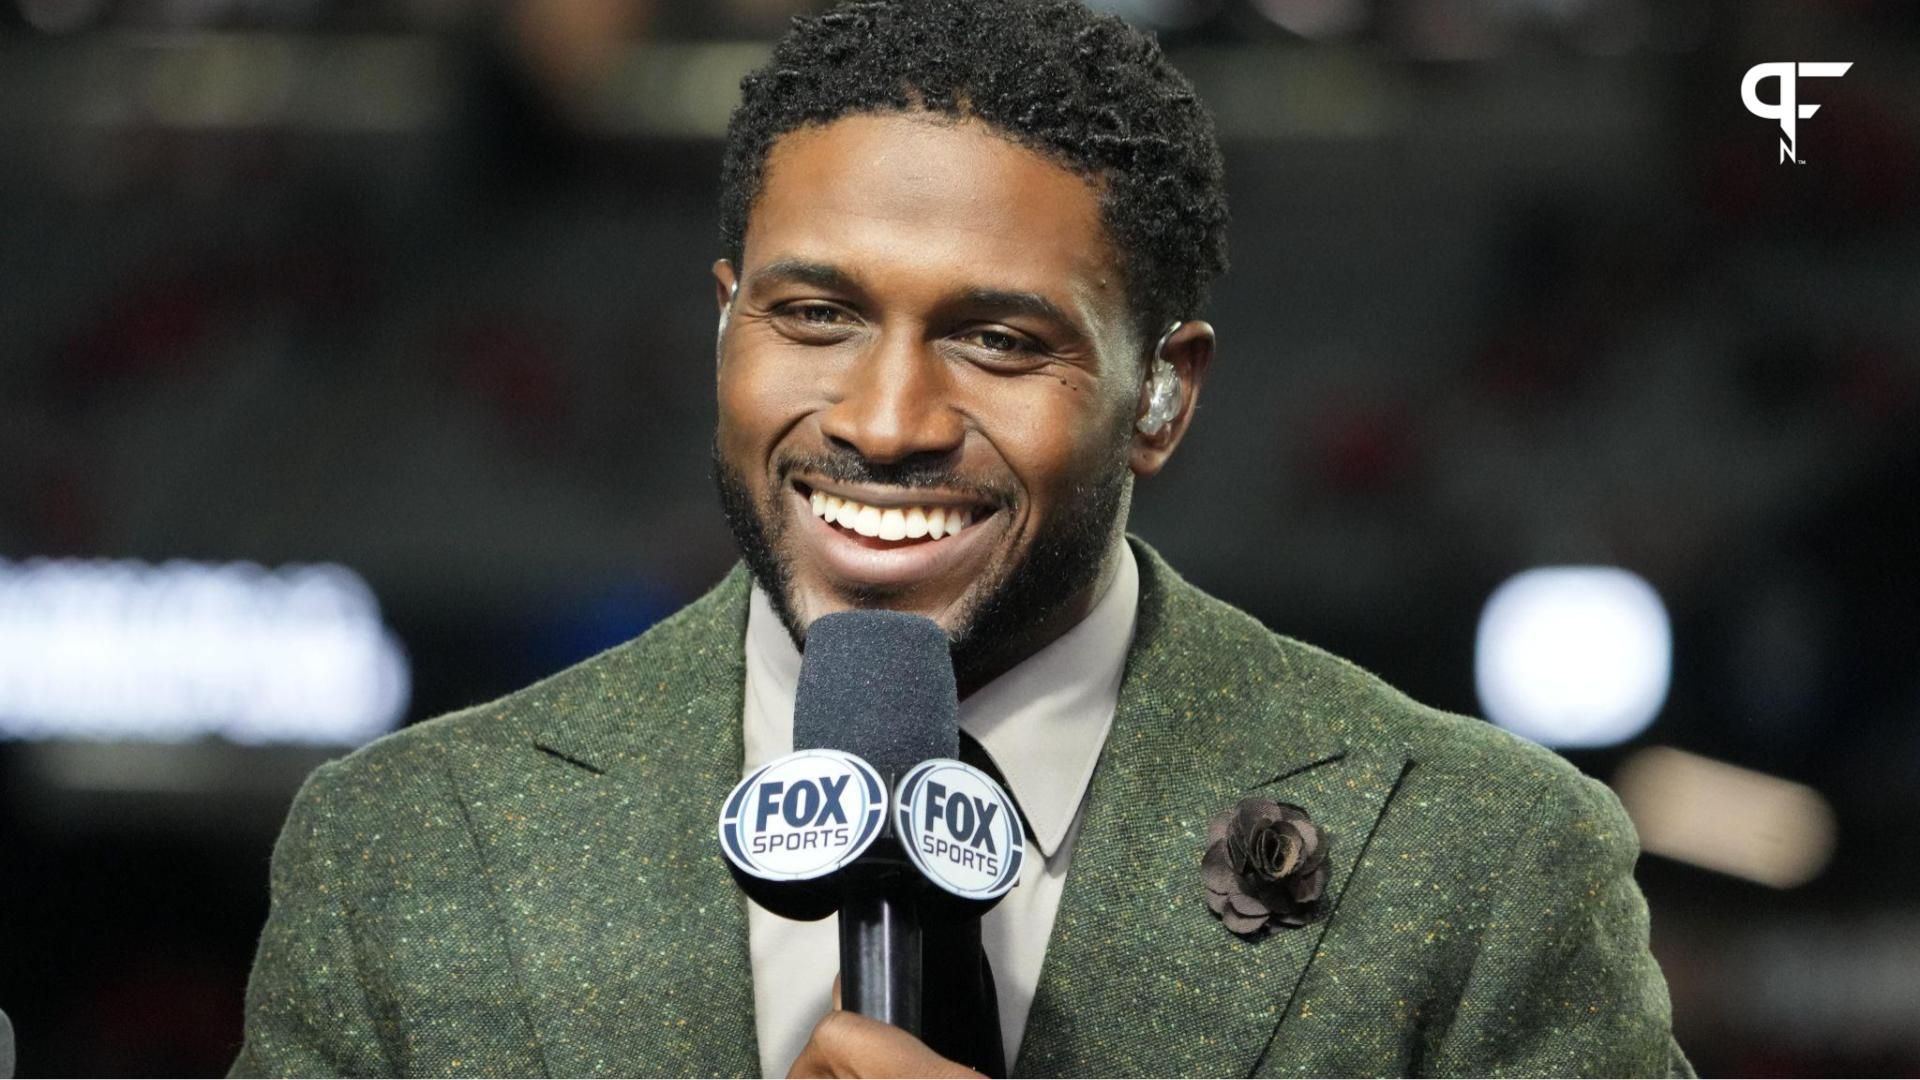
(914, 471)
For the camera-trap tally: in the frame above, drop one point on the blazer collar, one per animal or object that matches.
(694, 662)
(628, 932)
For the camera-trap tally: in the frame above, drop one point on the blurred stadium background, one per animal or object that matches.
(355, 367)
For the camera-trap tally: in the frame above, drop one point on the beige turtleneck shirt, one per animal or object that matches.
(1043, 722)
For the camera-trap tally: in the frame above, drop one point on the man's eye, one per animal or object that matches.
(817, 314)
(998, 341)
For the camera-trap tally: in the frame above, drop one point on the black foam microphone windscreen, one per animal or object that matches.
(879, 685)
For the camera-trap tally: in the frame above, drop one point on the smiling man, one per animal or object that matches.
(966, 245)
(929, 381)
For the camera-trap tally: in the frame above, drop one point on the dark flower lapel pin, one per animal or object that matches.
(1265, 866)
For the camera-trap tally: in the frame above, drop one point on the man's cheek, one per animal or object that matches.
(742, 432)
(739, 407)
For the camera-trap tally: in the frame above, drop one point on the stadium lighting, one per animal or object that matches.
(1574, 656)
(1725, 818)
(131, 651)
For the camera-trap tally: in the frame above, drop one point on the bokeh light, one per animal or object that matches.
(1574, 655)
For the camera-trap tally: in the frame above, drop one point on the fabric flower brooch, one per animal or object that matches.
(1266, 866)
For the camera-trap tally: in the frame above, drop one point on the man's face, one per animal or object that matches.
(930, 333)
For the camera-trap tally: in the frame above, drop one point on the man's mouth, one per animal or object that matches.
(892, 524)
(893, 537)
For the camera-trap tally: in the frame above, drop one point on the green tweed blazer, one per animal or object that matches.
(533, 886)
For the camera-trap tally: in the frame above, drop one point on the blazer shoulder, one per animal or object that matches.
(693, 641)
(1461, 751)
(1306, 684)
(1461, 758)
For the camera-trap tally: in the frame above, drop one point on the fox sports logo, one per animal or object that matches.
(803, 816)
(960, 828)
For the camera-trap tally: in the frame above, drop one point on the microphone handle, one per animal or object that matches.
(880, 958)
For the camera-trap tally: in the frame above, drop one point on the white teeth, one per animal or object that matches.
(890, 523)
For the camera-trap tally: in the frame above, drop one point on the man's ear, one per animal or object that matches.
(724, 286)
(1188, 350)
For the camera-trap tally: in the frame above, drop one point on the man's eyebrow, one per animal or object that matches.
(1016, 302)
(819, 275)
(806, 272)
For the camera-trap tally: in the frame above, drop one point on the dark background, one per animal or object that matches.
(421, 288)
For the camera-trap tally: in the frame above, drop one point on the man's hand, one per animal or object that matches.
(847, 1044)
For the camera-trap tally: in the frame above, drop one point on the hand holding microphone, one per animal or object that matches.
(848, 1044)
(873, 816)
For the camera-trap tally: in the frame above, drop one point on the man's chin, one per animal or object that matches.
(812, 598)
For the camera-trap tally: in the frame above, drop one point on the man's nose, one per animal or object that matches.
(895, 402)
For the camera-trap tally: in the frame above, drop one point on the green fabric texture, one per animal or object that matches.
(533, 886)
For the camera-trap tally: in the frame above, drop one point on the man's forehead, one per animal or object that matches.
(916, 194)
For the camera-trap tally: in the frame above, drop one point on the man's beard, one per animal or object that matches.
(991, 632)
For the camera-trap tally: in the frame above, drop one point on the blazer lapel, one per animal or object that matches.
(1140, 978)
(628, 932)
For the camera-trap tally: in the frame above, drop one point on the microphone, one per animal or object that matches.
(873, 684)
(880, 684)
(6, 1047)
(876, 728)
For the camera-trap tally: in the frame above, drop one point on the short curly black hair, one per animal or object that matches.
(1086, 90)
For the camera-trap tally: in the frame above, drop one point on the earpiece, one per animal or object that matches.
(1164, 396)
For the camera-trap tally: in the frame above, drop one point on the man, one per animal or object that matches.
(966, 242)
